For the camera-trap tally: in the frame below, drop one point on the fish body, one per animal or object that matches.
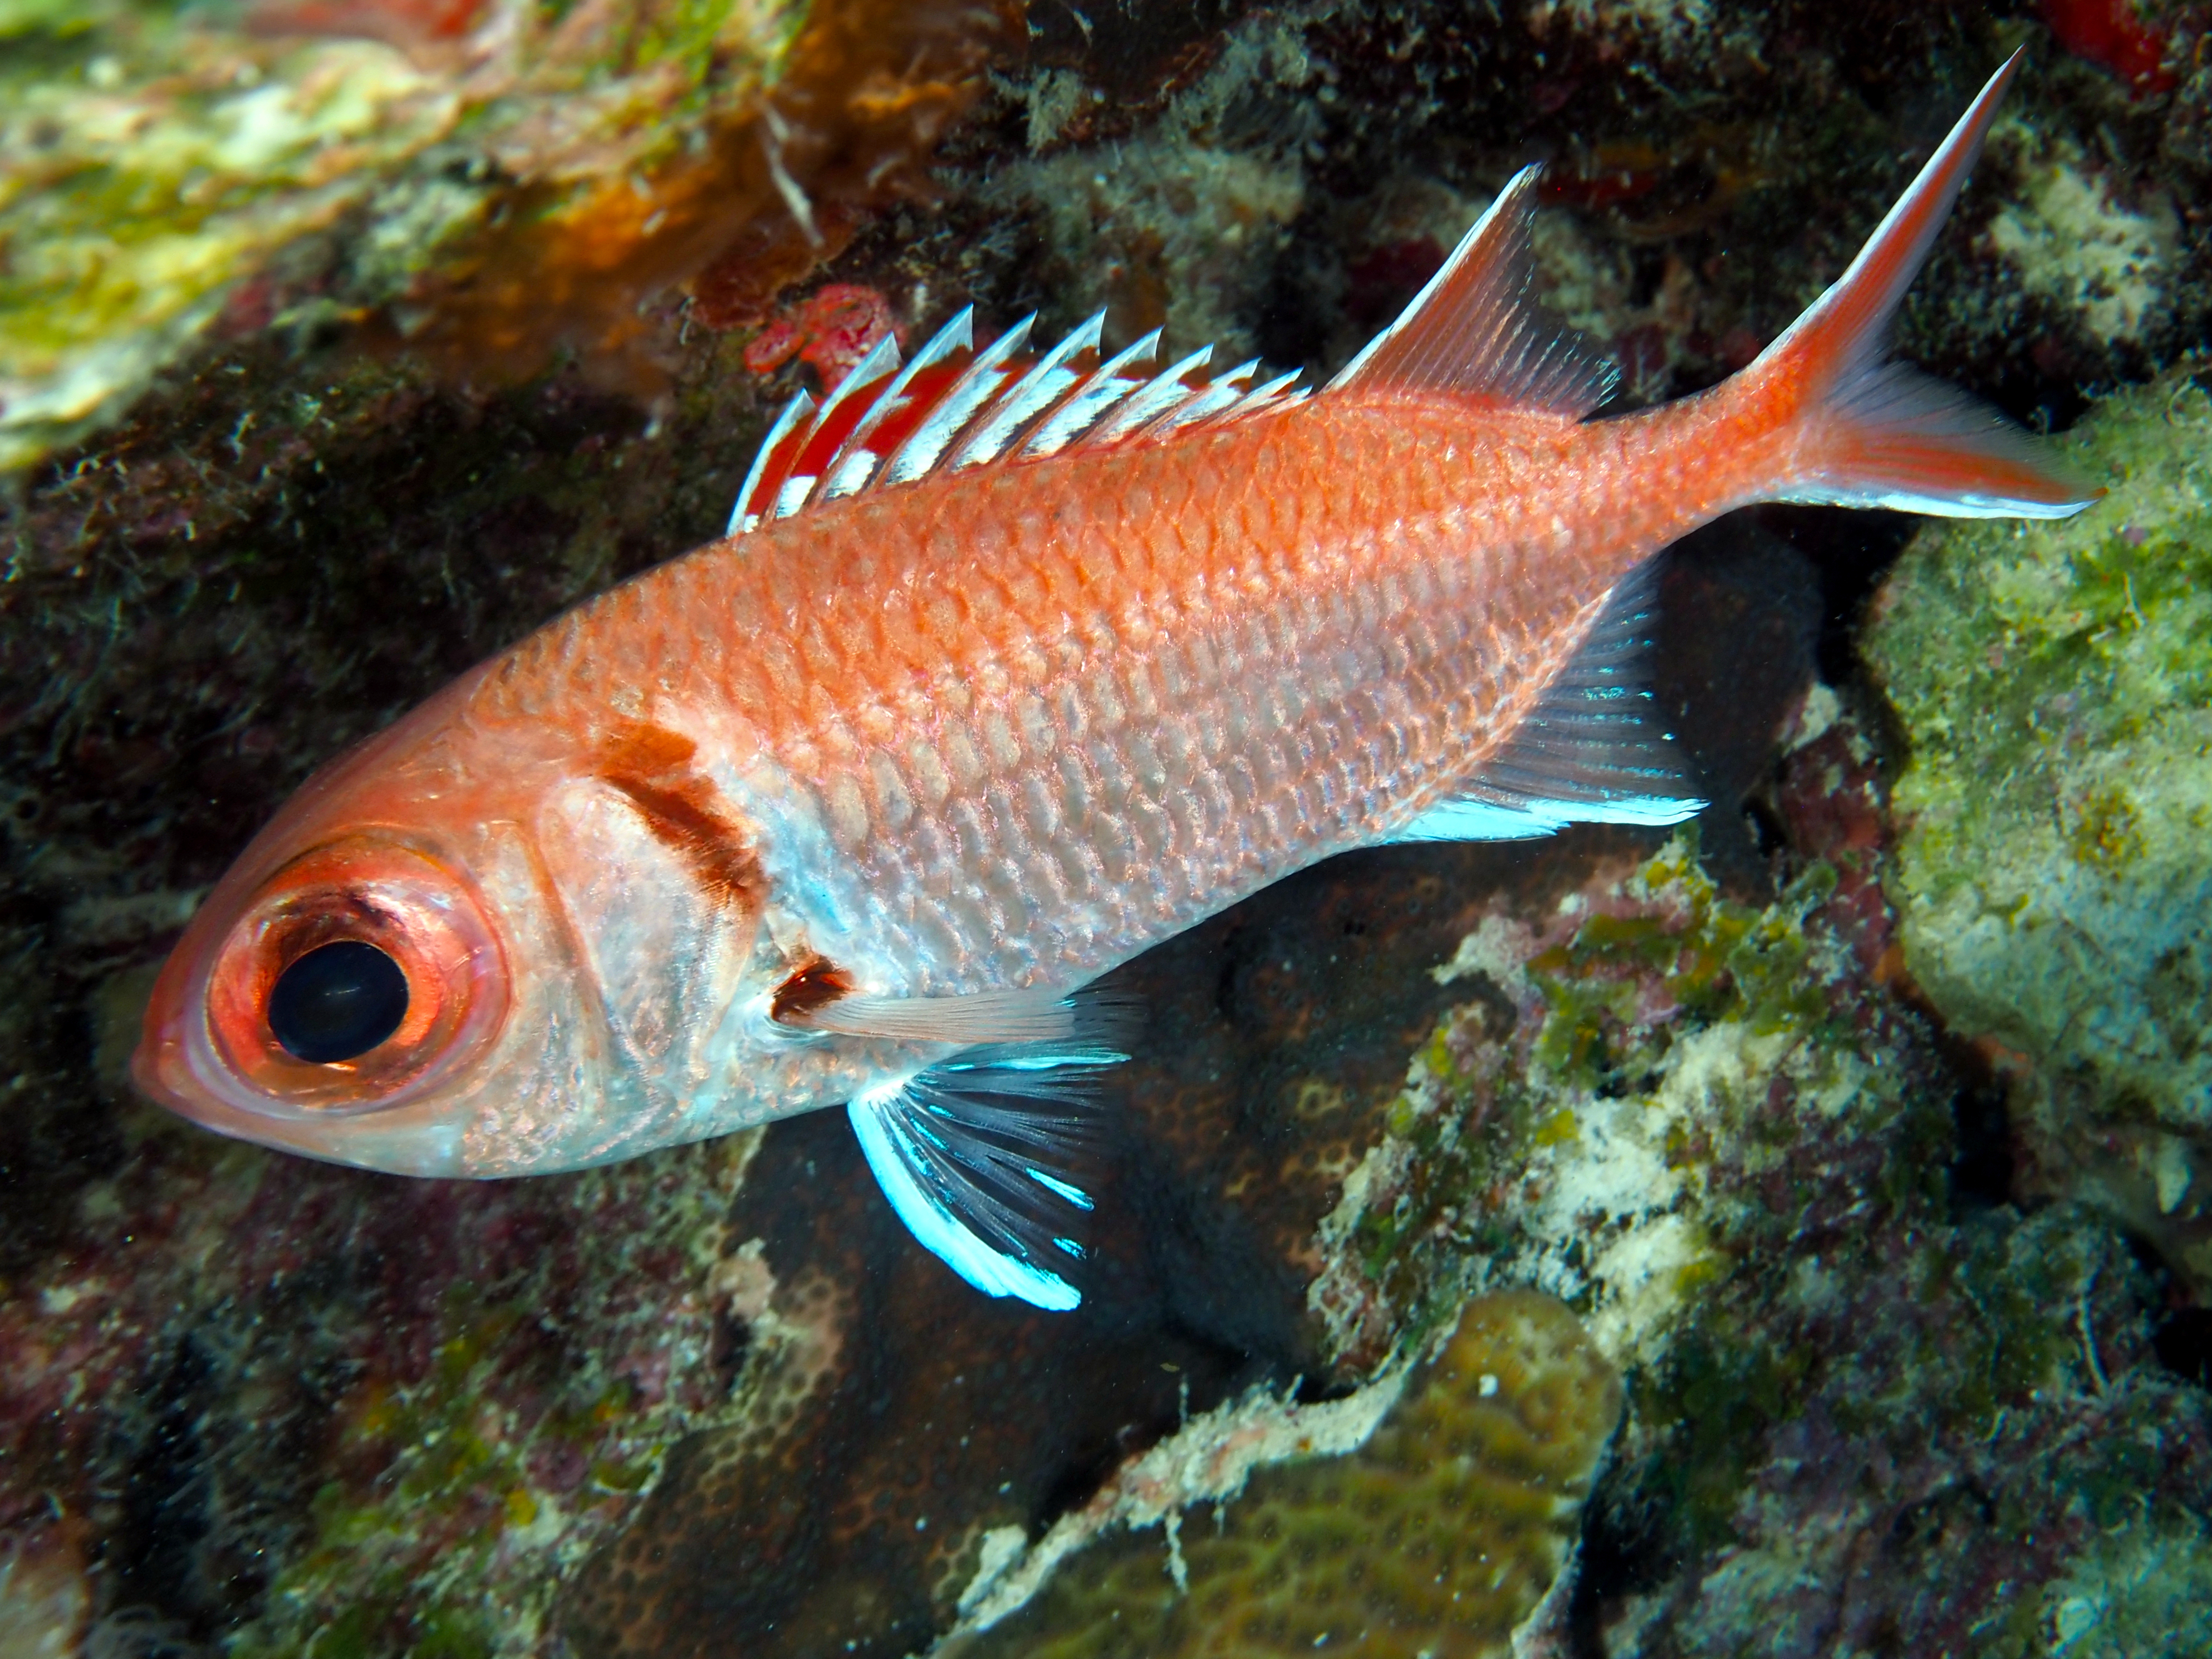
(1010, 671)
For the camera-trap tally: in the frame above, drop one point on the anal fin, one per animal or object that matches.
(1591, 752)
(977, 1155)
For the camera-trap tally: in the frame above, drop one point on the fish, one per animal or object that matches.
(1009, 667)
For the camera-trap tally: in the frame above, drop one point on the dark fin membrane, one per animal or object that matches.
(1476, 331)
(954, 407)
(978, 1155)
(1591, 752)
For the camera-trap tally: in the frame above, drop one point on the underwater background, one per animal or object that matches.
(1790, 1235)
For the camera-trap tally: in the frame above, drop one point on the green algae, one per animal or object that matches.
(2054, 876)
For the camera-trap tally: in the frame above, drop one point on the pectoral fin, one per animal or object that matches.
(1045, 1015)
(820, 997)
(978, 1156)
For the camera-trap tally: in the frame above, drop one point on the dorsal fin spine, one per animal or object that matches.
(1261, 396)
(1157, 395)
(1084, 405)
(1032, 395)
(850, 469)
(745, 515)
(954, 407)
(970, 393)
(1204, 404)
(812, 463)
(883, 357)
(792, 495)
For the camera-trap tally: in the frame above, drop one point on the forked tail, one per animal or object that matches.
(1862, 431)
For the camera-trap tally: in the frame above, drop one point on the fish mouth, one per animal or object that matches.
(158, 1066)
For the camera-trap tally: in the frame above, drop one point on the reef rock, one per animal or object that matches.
(485, 179)
(2054, 875)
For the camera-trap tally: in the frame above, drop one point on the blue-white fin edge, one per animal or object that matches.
(993, 1117)
(879, 1122)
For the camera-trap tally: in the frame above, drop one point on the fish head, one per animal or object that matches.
(453, 952)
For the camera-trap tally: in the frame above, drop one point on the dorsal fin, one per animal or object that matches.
(1476, 331)
(957, 406)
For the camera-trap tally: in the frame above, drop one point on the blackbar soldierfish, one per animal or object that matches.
(1007, 670)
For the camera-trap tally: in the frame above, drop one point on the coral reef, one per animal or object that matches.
(485, 182)
(2055, 871)
(1610, 1109)
(1702, 186)
(1868, 1404)
(1439, 1534)
(1950, 1436)
(717, 1398)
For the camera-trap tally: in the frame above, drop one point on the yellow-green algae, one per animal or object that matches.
(2054, 876)
(158, 160)
(1439, 1537)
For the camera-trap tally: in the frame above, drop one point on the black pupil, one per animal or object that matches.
(338, 1002)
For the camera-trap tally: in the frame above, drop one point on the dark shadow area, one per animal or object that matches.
(1629, 1547)
(1980, 1172)
(2183, 1343)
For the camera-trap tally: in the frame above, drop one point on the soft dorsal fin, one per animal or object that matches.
(1591, 751)
(1476, 331)
(957, 406)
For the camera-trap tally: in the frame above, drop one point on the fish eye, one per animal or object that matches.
(337, 1002)
(355, 977)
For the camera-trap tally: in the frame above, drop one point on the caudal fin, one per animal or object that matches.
(1866, 432)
